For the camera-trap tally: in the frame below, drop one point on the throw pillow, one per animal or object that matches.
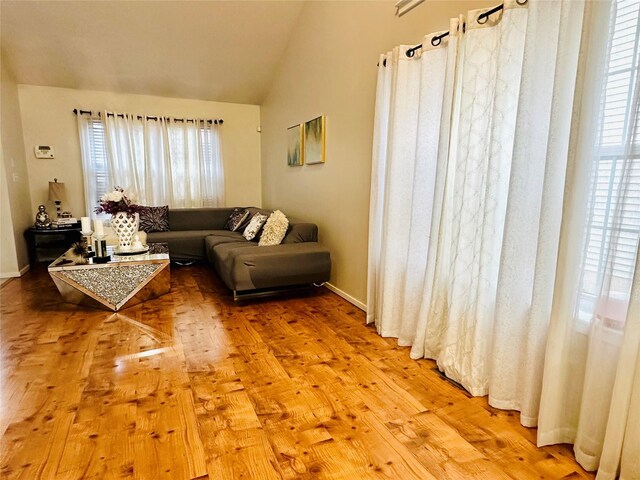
(254, 226)
(154, 219)
(236, 219)
(274, 230)
(252, 211)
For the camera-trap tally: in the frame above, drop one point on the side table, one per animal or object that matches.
(49, 243)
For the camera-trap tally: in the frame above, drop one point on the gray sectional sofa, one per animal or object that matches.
(246, 268)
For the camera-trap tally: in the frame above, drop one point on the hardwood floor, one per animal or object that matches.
(193, 386)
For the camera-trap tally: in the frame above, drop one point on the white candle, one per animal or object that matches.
(98, 227)
(86, 224)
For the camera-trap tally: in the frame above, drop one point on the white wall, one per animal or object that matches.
(330, 68)
(8, 256)
(48, 119)
(14, 187)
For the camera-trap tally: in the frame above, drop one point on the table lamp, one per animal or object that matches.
(57, 194)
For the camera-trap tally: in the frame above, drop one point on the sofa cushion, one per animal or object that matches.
(154, 219)
(198, 218)
(186, 244)
(223, 236)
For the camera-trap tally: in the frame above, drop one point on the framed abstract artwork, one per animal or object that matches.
(295, 141)
(314, 139)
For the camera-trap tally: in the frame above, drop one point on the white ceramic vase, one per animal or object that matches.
(125, 226)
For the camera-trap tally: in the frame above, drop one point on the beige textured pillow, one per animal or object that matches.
(274, 230)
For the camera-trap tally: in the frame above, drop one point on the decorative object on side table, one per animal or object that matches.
(57, 195)
(124, 215)
(42, 218)
(314, 141)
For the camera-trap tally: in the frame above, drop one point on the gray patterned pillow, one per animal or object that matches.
(254, 226)
(154, 219)
(235, 219)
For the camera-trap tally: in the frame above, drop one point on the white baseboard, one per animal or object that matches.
(9, 274)
(346, 296)
(16, 274)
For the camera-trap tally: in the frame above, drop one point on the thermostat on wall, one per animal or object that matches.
(44, 151)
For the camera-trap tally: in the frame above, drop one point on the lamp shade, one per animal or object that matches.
(57, 192)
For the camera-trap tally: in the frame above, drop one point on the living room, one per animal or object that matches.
(348, 377)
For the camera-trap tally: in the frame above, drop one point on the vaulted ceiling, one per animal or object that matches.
(211, 50)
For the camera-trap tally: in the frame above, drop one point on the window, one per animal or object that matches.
(99, 155)
(166, 161)
(616, 160)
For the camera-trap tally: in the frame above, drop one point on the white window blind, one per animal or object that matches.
(616, 124)
(98, 154)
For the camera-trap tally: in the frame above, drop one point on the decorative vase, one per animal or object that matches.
(125, 226)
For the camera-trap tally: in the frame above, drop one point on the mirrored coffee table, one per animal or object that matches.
(122, 282)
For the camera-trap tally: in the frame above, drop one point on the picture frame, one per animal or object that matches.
(295, 145)
(314, 140)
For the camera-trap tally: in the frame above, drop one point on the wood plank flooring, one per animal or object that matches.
(193, 386)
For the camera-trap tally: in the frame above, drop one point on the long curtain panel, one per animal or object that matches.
(591, 389)
(413, 101)
(479, 299)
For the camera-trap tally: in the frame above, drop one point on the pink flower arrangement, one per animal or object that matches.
(117, 201)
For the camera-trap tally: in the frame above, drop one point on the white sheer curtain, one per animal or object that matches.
(164, 161)
(591, 389)
(125, 154)
(414, 99)
(478, 306)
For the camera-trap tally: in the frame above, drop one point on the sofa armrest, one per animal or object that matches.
(301, 232)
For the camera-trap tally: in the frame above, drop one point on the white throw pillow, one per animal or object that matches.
(274, 230)
(254, 226)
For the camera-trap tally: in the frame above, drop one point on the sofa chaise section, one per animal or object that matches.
(243, 266)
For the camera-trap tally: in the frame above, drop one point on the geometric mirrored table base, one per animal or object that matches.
(115, 285)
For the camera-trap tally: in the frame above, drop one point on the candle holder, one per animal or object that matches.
(86, 240)
(100, 248)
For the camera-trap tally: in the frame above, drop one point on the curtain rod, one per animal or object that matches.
(217, 121)
(482, 19)
(435, 41)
